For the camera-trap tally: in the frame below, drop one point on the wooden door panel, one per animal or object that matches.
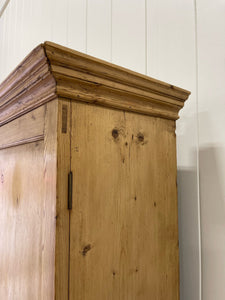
(123, 225)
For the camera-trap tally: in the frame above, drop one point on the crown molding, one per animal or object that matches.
(29, 86)
(51, 71)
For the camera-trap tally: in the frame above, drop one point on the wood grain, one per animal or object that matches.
(75, 71)
(62, 212)
(51, 71)
(21, 130)
(29, 86)
(27, 205)
(21, 221)
(100, 95)
(49, 213)
(62, 56)
(124, 238)
(33, 139)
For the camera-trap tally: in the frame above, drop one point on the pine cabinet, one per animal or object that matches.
(88, 197)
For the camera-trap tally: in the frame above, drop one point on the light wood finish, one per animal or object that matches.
(21, 221)
(27, 87)
(124, 238)
(22, 130)
(49, 214)
(51, 70)
(27, 193)
(62, 212)
(62, 111)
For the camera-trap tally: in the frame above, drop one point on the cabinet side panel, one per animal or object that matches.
(23, 130)
(123, 232)
(27, 209)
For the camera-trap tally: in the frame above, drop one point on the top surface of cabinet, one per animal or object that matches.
(51, 71)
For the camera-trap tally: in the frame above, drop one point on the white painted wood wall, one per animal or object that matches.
(178, 41)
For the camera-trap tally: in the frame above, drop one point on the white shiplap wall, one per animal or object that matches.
(181, 42)
(211, 115)
(172, 58)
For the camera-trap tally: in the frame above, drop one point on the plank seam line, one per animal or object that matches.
(29, 140)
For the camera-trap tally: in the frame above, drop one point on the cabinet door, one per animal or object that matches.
(123, 224)
(27, 206)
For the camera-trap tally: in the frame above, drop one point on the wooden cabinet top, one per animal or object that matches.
(51, 71)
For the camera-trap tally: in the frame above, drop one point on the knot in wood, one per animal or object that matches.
(115, 133)
(140, 137)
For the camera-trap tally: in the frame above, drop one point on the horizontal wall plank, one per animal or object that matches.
(99, 28)
(60, 28)
(128, 34)
(172, 57)
(77, 25)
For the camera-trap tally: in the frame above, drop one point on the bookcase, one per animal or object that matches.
(88, 196)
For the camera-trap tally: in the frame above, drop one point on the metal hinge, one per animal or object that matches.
(70, 189)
